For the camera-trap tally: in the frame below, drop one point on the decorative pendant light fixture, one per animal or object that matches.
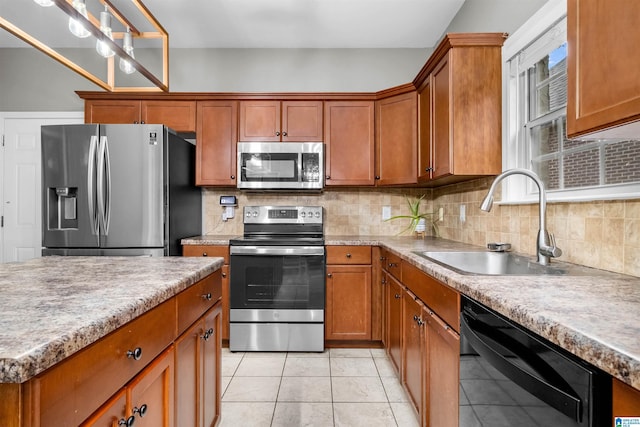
(76, 28)
(45, 3)
(105, 26)
(127, 45)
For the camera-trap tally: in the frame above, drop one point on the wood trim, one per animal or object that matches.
(143, 94)
(10, 404)
(397, 90)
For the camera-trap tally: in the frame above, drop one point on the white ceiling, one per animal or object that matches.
(294, 23)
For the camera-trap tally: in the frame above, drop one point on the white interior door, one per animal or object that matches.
(21, 182)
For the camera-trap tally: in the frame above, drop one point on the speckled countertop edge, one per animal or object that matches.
(593, 315)
(71, 302)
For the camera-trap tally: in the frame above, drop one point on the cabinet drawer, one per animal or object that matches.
(440, 298)
(206, 250)
(72, 390)
(391, 263)
(348, 254)
(200, 297)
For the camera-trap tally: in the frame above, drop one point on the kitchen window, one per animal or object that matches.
(535, 87)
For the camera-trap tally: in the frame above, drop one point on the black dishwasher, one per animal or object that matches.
(510, 376)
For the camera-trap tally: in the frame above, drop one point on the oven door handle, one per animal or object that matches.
(489, 348)
(277, 250)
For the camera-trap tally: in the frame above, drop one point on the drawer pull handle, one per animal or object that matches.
(207, 334)
(142, 410)
(204, 254)
(128, 422)
(207, 297)
(348, 255)
(135, 354)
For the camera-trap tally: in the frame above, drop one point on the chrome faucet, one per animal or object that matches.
(546, 244)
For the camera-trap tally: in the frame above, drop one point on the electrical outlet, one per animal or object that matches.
(463, 213)
(386, 212)
(441, 214)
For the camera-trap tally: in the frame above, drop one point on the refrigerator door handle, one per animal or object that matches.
(107, 187)
(100, 186)
(91, 185)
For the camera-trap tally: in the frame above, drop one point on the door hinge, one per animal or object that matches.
(3, 140)
(1, 221)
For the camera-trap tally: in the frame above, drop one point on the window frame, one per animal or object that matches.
(518, 189)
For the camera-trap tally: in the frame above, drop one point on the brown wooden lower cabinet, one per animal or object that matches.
(626, 400)
(348, 303)
(394, 322)
(414, 350)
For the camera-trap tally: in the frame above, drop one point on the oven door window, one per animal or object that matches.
(272, 167)
(277, 282)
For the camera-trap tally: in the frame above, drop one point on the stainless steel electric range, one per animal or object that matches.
(277, 289)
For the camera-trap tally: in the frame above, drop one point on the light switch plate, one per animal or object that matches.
(463, 213)
(441, 214)
(386, 212)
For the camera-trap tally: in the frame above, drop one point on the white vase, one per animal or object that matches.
(421, 225)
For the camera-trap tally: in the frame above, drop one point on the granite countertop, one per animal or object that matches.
(51, 307)
(591, 313)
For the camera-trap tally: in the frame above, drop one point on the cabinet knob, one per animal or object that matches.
(141, 411)
(204, 254)
(420, 322)
(429, 169)
(348, 255)
(284, 133)
(328, 177)
(142, 122)
(384, 281)
(224, 274)
(207, 297)
(135, 354)
(207, 334)
(233, 177)
(329, 275)
(128, 422)
(397, 296)
(135, 122)
(277, 133)
(377, 177)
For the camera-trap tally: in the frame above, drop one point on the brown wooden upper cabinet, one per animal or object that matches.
(396, 139)
(216, 137)
(349, 143)
(178, 115)
(602, 68)
(286, 121)
(460, 109)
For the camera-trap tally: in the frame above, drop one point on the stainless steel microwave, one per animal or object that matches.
(280, 165)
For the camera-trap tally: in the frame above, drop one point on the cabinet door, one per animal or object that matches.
(151, 393)
(424, 133)
(350, 144)
(602, 67)
(211, 381)
(302, 121)
(188, 365)
(216, 143)
(626, 400)
(394, 322)
(441, 119)
(443, 366)
(397, 139)
(112, 111)
(178, 115)
(348, 307)
(260, 121)
(412, 357)
(111, 413)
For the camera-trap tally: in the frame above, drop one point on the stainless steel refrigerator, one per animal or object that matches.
(117, 190)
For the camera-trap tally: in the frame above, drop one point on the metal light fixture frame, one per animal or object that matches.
(93, 25)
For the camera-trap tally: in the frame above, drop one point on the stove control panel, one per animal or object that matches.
(283, 215)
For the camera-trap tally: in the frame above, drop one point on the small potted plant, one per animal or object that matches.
(418, 220)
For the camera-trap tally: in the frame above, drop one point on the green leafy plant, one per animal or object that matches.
(415, 216)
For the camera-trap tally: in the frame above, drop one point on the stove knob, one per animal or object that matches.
(248, 214)
(255, 214)
(310, 214)
(302, 214)
(317, 215)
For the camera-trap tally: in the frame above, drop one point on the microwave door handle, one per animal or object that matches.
(300, 167)
(489, 348)
(91, 185)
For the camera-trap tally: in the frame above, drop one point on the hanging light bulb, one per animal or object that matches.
(45, 3)
(105, 26)
(76, 28)
(127, 45)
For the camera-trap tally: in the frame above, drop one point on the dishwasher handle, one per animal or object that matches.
(489, 348)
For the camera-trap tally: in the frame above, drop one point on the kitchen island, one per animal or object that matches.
(70, 328)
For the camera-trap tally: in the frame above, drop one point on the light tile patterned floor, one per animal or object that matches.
(336, 388)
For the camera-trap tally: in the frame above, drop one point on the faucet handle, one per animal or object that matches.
(552, 250)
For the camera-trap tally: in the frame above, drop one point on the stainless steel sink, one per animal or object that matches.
(490, 263)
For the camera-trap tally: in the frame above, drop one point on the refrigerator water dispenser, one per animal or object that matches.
(63, 208)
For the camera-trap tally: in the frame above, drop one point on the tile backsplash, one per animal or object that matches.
(597, 234)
